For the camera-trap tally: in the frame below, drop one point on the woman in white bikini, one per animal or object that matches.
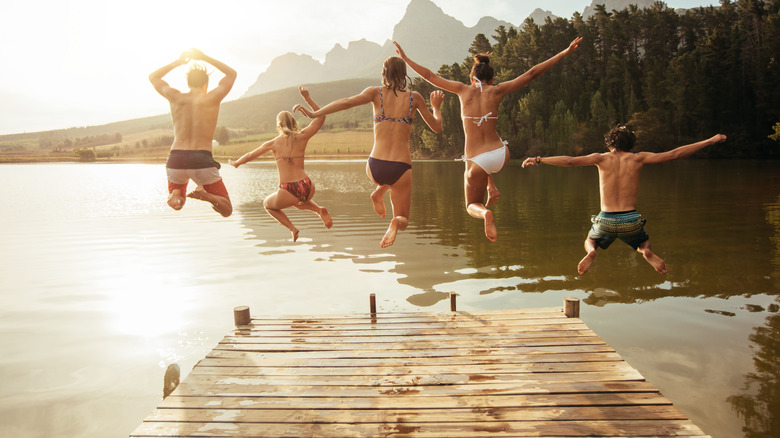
(390, 162)
(485, 152)
(295, 187)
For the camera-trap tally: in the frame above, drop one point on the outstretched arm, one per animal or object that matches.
(565, 161)
(156, 78)
(226, 83)
(434, 119)
(428, 75)
(680, 152)
(363, 98)
(537, 70)
(315, 124)
(250, 156)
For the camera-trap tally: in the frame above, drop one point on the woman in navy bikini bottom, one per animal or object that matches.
(485, 152)
(295, 187)
(390, 163)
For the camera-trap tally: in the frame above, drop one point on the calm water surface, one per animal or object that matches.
(103, 285)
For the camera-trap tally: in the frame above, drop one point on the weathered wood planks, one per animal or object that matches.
(526, 372)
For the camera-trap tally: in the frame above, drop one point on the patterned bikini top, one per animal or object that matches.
(384, 118)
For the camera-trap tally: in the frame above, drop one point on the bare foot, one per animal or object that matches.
(294, 234)
(325, 216)
(389, 237)
(222, 207)
(490, 226)
(493, 195)
(176, 200)
(656, 262)
(378, 199)
(585, 263)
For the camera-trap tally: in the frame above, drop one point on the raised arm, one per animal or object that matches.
(159, 84)
(226, 83)
(428, 75)
(565, 161)
(537, 70)
(366, 96)
(433, 119)
(315, 124)
(680, 152)
(250, 156)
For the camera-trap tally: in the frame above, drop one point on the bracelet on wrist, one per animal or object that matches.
(538, 159)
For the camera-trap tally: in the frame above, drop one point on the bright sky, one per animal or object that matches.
(86, 62)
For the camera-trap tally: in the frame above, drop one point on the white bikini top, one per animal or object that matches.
(480, 120)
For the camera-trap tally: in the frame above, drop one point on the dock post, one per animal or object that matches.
(453, 307)
(571, 307)
(372, 303)
(241, 315)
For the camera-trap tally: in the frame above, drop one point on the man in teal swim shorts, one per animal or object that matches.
(619, 171)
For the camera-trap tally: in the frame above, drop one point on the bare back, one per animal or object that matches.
(619, 180)
(479, 110)
(194, 117)
(391, 138)
(288, 151)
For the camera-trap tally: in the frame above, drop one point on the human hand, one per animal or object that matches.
(530, 161)
(718, 138)
(303, 110)
(573, 45)
(304, 92)
(196, 54)
(233, 163)
(399, 50)
(437, 97)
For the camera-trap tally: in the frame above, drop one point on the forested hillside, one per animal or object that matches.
(673, 77)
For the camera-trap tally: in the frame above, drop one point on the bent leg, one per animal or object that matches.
(400, 200)
(378, 195)
(492, 192)
(475, 184)
(220, 204)
(322, 212)
(275, 202)
(656, 262)
(590, 249)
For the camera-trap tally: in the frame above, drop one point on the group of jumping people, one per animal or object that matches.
(389, 164)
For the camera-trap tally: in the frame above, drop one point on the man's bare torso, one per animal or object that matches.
(619, 181)
(194, 117)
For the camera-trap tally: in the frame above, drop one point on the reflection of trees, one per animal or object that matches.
(773, 219)
(696, 210)
(760, 408)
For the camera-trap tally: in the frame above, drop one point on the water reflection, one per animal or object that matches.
(543, 218)
(759, 405)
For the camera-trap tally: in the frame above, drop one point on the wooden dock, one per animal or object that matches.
(528, 372)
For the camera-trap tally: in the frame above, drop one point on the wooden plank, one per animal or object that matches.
(473, 401)
(531, 372)
(399, 426)
(558, 413)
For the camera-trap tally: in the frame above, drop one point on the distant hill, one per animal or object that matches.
(425, 32)
(616, 5)
(245, 113)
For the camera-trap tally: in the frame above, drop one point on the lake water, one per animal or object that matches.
(103, 285)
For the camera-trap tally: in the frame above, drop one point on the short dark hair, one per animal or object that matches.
(197, 76)
(621, 138)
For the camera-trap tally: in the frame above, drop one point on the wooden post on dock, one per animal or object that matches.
(372, 303)
(453, 307)
(571, 307)
(241, 315)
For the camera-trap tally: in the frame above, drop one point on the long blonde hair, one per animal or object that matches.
(286, 124)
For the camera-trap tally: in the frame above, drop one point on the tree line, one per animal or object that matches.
(673, 77)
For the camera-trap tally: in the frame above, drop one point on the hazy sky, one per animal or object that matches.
(86, 62)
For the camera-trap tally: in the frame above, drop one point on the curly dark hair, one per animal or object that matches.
(620, 138)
